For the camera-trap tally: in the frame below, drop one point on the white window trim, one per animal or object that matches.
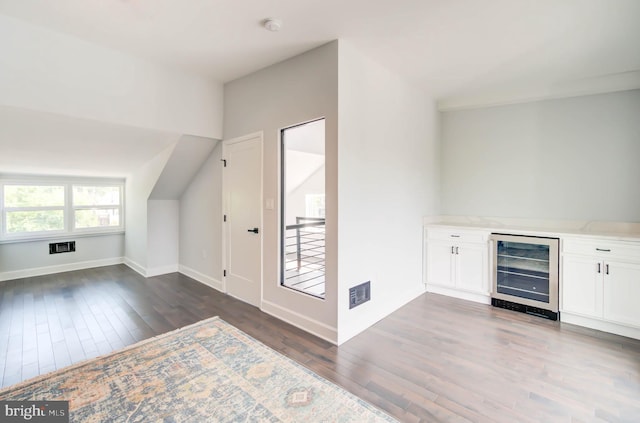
(69, 209)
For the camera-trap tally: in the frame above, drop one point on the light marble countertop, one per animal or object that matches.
(618, 231)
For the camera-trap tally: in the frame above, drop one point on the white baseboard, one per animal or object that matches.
(588, 322)
(48, 270)
(135, 266)
(305, 323)
(463, 295)
(201, 277)
(366, 320)
(162, 270)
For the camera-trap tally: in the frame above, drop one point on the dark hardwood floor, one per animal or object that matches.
(437, 359)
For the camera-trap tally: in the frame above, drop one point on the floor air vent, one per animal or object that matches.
(540, 312)
(359, 294)
(62, 247)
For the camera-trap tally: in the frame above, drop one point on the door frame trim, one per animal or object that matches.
(225, 143)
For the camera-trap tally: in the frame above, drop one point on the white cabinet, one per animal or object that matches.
(441, 264)
(472, 268)
(601, 281)
(457, 263)
(621, 293)
(582, 286)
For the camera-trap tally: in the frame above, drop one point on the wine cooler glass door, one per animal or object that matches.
(526, 268)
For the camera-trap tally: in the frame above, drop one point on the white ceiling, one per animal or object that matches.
(450, 48)
(457, 51)
(46, 143)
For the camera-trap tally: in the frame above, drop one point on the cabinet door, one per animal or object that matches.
(472, 268)
(582, 285)
(440, 264)
(621, 293)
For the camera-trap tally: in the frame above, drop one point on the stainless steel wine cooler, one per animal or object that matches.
(525, 274)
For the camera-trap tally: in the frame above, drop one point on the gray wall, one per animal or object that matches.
(162, 236)
(24, 259)
(573, 158)
(297, 90)
(381, 179)
(137, 190)
(201, 223)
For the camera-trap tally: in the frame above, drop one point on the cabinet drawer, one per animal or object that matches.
(602, 248)
(456, 236)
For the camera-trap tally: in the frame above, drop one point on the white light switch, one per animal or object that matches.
(269, 204)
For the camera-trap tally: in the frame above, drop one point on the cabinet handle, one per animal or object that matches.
(455, 236)
(599, 270)
(606, 250)
(606, 269)
(452, 247)
(456, 250)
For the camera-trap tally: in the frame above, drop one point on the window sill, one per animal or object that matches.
(62, 236)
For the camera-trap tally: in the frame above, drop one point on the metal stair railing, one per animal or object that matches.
(307, 248)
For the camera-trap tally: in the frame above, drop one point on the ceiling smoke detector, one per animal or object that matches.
(272, 24)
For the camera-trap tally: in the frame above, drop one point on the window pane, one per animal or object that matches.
(95, 196)
(96, 218)
(35, 221)
(33, 196)
(315, 205)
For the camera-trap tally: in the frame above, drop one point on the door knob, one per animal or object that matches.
(254, 230)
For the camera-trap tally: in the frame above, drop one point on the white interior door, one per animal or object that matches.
(242, 187)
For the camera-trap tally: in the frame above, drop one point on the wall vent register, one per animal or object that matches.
(359, 294)
(62, 247)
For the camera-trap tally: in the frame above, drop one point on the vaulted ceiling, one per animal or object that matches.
(47, 143)
(452, 49)
(459, 52)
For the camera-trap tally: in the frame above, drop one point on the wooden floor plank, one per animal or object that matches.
(437, 359)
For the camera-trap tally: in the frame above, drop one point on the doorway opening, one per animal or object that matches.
(302, 196)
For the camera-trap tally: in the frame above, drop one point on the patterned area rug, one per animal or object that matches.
(206, 372)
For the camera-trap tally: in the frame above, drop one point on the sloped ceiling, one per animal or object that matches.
(187, 158)
(459, 52)
(46, 143)
(451, 49)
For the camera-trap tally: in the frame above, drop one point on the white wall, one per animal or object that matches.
(297, 90)
(26, 259)
(201, 223)
(573, 158)
(163, 217)
(137, 190)
(388, 180)
(48, 71)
